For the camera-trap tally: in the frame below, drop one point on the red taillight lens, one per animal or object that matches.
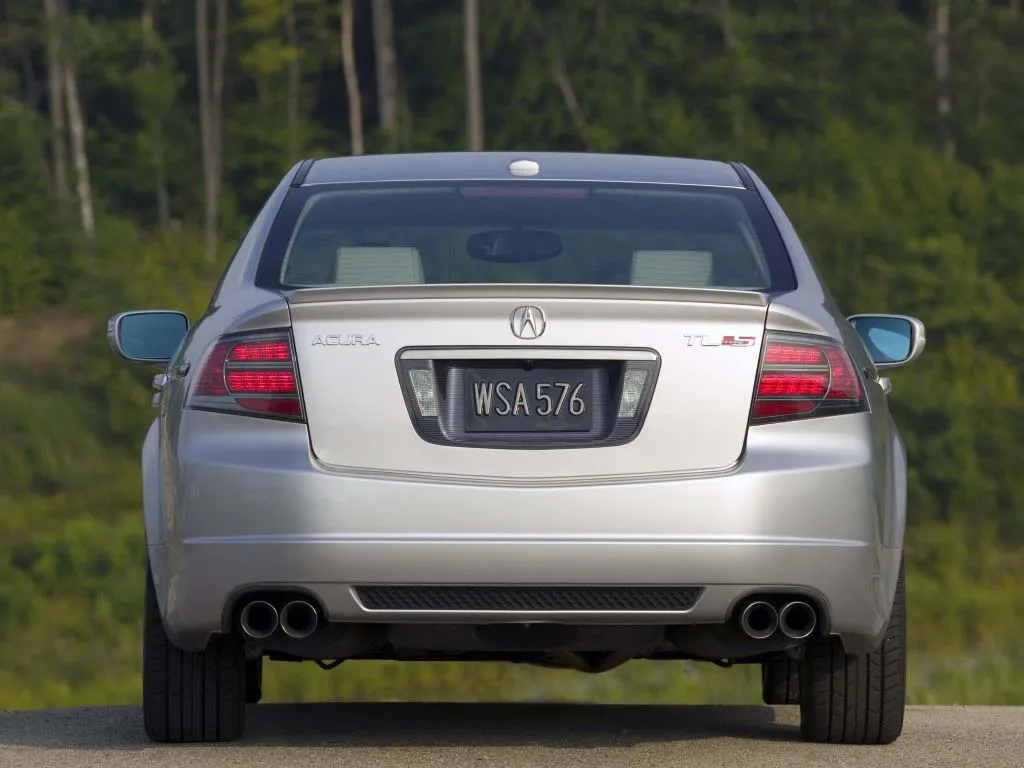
(210, 381)
(261, 383)
(249, 374)
(262, 352)
(804, 377)
(780, 353)
(845, 385)
(792, 385)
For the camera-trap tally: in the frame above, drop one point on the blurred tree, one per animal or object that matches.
(387, 71)
(76, 126)
(348, 60)
(155, 129)
(474, 86)
(55, 76)
(940, 46)
(211, 104)
(892, 131)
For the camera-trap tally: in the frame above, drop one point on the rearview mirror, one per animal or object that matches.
(150, 336)
(891, 340)
(514, 246)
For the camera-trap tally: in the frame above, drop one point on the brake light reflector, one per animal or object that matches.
(777, 409)
(803, 377)
(278, 406)
(252, 374)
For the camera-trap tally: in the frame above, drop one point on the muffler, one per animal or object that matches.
(797, 620)
(759, 620)
(298, 619)
(258, 619)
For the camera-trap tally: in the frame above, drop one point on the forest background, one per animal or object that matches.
(139, 137)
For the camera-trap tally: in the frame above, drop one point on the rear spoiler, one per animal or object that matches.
(527, 291)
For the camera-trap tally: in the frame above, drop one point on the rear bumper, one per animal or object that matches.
(799, 515)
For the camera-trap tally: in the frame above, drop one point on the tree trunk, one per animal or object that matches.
(211, 92)
(163, 197)
(81, 160)
(220, 52)
(294, 84)
(474, 86)
(55, 77)
(386, 61)
(28, 71)
(940, 61)
(731, 45)
(348, 63)
(559, 72)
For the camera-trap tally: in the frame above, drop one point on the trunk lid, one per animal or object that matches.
(357, 351)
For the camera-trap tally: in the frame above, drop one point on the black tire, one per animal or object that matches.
(780, 681)
(190, 696)
(857, 699)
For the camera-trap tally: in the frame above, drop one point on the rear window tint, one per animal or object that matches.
(524, 232)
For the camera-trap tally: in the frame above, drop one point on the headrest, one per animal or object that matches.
(672, 269)
(378, 265)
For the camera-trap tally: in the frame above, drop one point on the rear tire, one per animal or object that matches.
(848, 699)
(780, 681)
(189, 696)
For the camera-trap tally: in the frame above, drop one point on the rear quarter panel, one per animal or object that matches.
(812, 301)
(233, 306)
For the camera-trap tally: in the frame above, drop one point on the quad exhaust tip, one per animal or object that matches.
(797, 620)
(299, 619)
(259, 619)
(759, 620)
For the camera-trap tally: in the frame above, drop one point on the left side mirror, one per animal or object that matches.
(150, 336)
(891, 340)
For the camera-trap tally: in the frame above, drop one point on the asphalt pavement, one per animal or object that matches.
(508, 736)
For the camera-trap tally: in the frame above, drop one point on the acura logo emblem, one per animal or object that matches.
(528, 322)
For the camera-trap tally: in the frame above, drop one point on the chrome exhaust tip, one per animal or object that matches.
(797, 620)
(258, 619)
(299, 619)
(759, 620)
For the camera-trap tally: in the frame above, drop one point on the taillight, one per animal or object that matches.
(253, 374)
(802, 377)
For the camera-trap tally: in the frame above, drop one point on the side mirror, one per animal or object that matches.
(150, 336)
(891, 340)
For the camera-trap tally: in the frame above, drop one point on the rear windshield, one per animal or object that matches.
(524, 232)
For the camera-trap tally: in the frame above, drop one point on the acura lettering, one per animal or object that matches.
(345, 340)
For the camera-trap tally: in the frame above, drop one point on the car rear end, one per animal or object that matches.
(560, 422)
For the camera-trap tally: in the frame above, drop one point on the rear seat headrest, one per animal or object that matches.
(378, 265)
(672, 269)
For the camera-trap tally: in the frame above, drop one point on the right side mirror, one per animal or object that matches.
(891, 340)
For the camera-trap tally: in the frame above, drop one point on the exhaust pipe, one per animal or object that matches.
(258, 619)
(759, 620)
(298, 619)
(797, 620)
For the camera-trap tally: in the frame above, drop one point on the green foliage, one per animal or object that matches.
(832, 103)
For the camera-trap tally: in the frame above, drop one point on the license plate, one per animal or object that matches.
(513, 400)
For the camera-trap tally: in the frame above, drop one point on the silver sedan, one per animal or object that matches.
(560, 409)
